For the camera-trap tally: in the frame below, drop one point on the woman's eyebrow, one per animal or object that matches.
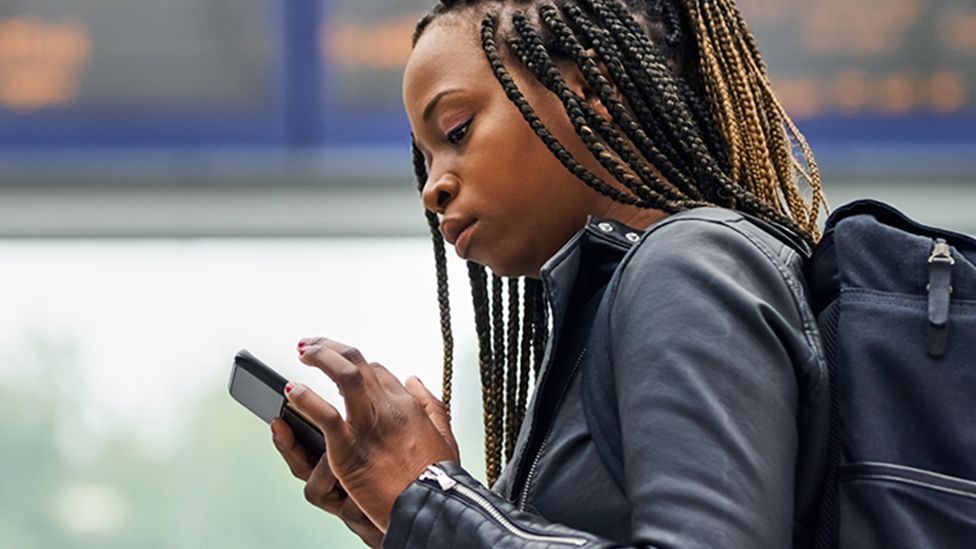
(429, 109)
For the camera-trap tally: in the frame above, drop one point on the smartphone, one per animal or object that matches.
(262, 391)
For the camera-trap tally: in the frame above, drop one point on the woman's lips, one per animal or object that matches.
(457, 232)
(461, 244)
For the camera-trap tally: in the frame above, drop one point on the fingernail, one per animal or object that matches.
(301, 347)
(293, 389)
(274, 431)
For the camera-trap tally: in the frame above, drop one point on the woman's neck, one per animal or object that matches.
(632, 216)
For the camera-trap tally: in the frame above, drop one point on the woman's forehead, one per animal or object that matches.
(448, 51)
(450, 32)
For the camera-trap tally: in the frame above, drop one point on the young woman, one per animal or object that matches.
(586, 149)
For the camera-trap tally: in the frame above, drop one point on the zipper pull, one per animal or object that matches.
(940, 290)
(435, 473)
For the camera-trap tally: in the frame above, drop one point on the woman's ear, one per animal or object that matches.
(578, 84)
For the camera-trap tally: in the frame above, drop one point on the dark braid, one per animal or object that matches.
(658, 87)
(655, 146)
(479, 296)
(693, 122)
(488, 28)
(648, 188)
(443, 293)
(670, 107)
(497, 371)
(511, 368)
(654, 80)
(702, 112)
(683, 188)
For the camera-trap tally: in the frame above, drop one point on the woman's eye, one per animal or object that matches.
(457, 134)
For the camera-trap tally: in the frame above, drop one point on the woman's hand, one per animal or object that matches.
(390, 434)
(321, 487)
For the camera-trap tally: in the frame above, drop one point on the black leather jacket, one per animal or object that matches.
(718, 370)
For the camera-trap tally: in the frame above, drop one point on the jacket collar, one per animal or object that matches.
(560, 271)
(605, 242)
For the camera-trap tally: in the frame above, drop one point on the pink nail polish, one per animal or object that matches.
(294, 390)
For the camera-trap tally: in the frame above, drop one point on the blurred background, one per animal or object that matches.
(182, 179)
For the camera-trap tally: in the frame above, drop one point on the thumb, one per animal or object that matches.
(435, 411)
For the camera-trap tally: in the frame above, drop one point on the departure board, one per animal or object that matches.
(364, 46)
(314, 72)
(847, 70)
(872, 70)
(139, 71)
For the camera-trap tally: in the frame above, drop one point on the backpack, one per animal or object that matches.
(895, 301)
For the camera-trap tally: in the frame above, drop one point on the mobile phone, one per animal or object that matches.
(262, 391)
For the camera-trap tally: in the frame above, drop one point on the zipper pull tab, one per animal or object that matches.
(940, 290)
(435, 473)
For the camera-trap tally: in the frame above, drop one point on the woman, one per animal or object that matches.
(630, 151)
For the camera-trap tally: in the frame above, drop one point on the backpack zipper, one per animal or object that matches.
(523, 500)
(940, 293)
(448, 484)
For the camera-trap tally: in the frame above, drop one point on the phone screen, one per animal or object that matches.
(256, 386)
(261, 390)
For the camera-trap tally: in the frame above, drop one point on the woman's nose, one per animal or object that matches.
(439, 192)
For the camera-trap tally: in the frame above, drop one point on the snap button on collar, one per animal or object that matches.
(605, 227)
(633, 237)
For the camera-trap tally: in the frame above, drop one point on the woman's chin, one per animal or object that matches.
(511, 269)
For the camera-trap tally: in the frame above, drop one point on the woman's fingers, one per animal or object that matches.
(323, 490)
(293, 453)
(322, 414)
(385, 439)
(435, 411)
(346, 366)
(359, 523)
(386, 379)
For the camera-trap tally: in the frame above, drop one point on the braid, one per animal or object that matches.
(721, 27)
(479, 296)
(650, 189)
(649, 67)
(488, 29)
(657, 146)
(511, 368)
(497, 374)
(655, 79)
(693, 122)
(443, 293)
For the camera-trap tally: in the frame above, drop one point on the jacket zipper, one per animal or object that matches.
(523, 500)
(448, 484)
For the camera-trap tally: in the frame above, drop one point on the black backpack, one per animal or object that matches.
(896, 305)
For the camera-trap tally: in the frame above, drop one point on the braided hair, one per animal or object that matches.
(693, 122)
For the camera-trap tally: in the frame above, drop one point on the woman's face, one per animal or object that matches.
(488, 173)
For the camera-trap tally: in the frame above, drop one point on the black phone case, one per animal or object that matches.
(307, 434)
